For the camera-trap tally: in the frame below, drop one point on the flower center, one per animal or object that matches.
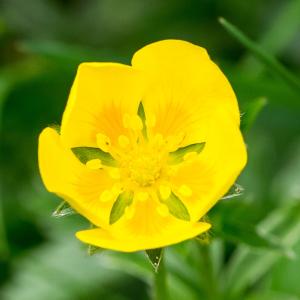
(143, 166)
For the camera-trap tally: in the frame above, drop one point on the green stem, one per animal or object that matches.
(269, 60)
(4, 246)
(209, 278)
(160, 282)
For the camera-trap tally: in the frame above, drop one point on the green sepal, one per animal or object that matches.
(118, 208)
(84, 154)
(142, 115)
(235, 191)
(94, 249)
(154, 256)
(178, 155)
(177, 207)
(63, 210)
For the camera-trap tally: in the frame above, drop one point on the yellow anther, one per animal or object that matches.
(186, 191)
(123, 141)
(94, 164)
(163, 210)
(106, 196)
(142, 196)
(150, 121)
(114, 173)
(129, 212)
(190, 156)
(103, 142)
(165, 191)
(132, 122)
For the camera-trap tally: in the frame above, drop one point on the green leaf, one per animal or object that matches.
(154, 256)
(267, 59)
(84, 154)
(247, 266)
(118, 209)
(235, 191)
(63, 210)
(178, 155)
(177, 207)
(251, 112)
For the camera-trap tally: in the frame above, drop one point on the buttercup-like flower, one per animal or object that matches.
(144, 151)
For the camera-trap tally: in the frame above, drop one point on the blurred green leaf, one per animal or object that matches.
(154, 256)
(271, 62)
(251, 111)
(283, 29)
(248, 265)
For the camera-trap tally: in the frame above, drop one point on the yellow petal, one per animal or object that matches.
(63, 174)
(184, 89)
(168, 235)
(101, 95)
(214, 171)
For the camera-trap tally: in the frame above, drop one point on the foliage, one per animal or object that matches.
(253, 249)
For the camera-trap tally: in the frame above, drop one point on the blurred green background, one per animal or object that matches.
(254, 248)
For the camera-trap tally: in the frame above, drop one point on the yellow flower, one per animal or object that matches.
(145, 150)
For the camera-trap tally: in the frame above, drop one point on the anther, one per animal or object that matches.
(165, 191)
(123, 141)
(94, 164)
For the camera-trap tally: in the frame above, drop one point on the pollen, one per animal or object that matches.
(94, 164)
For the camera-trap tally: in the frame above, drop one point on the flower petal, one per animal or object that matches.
(63, 174)
(101, 95)
(215, 170)
(185, 87)
(173, 233)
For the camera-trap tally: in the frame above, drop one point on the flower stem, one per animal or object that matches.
(160, 283)
(4, 247)
(210, 282)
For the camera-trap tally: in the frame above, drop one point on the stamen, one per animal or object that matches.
(94, 164)
(106, 196)
(186, 191)
(103, 142)
(163, 210)
(165, 191)
(123, 141)
(129, 212)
